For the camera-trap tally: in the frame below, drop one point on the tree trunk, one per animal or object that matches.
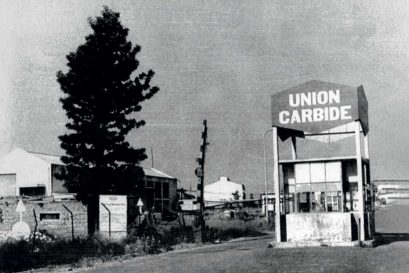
(93, 215)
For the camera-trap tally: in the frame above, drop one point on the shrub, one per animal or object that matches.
(22, 255)
(177, 235)
(15, 255)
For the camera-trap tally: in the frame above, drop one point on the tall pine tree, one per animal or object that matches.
(101, 96)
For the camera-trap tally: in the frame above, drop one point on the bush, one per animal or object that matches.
(22, 255)
(15, 255)
(146, 237)
(177, 235)
(152, 240)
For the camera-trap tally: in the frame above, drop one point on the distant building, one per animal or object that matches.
(161, 191)
(392, 192)
(223, 191)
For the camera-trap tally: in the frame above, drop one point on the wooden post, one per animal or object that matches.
(361, 228)
(276, 180)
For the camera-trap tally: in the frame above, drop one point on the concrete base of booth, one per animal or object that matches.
(317, 228)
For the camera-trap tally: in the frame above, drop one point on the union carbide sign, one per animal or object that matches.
(317, 106)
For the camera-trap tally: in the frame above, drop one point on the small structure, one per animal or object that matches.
(327, 200)
(160, 192)
(25, 173)
(270, 202)
(223, 191)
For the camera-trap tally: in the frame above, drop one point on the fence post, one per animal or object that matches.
(109, 219)
(35, 228)
(72, 220)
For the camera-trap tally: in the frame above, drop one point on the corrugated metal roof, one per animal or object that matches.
(156, 173)
(57, 161)
(53, 159)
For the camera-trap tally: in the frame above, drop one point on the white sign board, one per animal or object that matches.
(113, 215)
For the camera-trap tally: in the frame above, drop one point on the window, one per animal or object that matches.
(304, 201)
(351, 197)
(49, 216)
(333, 201)
(158, 190)
(319, 201)
(318, 186)
(32, 191)
(148, 183)
(318, 172)
(165, 190)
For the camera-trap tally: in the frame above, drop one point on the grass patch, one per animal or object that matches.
(18, 255)
(244, 224)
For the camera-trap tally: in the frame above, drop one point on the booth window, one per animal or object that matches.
(333, 201)
(319, 201)
(317, 186)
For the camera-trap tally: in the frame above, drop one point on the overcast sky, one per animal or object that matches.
(214, 60)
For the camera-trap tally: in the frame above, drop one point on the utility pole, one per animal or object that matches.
(151, 156)
(200, 186)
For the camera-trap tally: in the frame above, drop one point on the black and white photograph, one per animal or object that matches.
(240, 136)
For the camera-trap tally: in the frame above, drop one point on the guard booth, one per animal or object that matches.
(328, 196)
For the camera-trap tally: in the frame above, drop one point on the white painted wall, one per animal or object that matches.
(30, 171)
(7, 184)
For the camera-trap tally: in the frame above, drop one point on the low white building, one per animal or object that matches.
(28, 173)
(34, 174)
(223, 191)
